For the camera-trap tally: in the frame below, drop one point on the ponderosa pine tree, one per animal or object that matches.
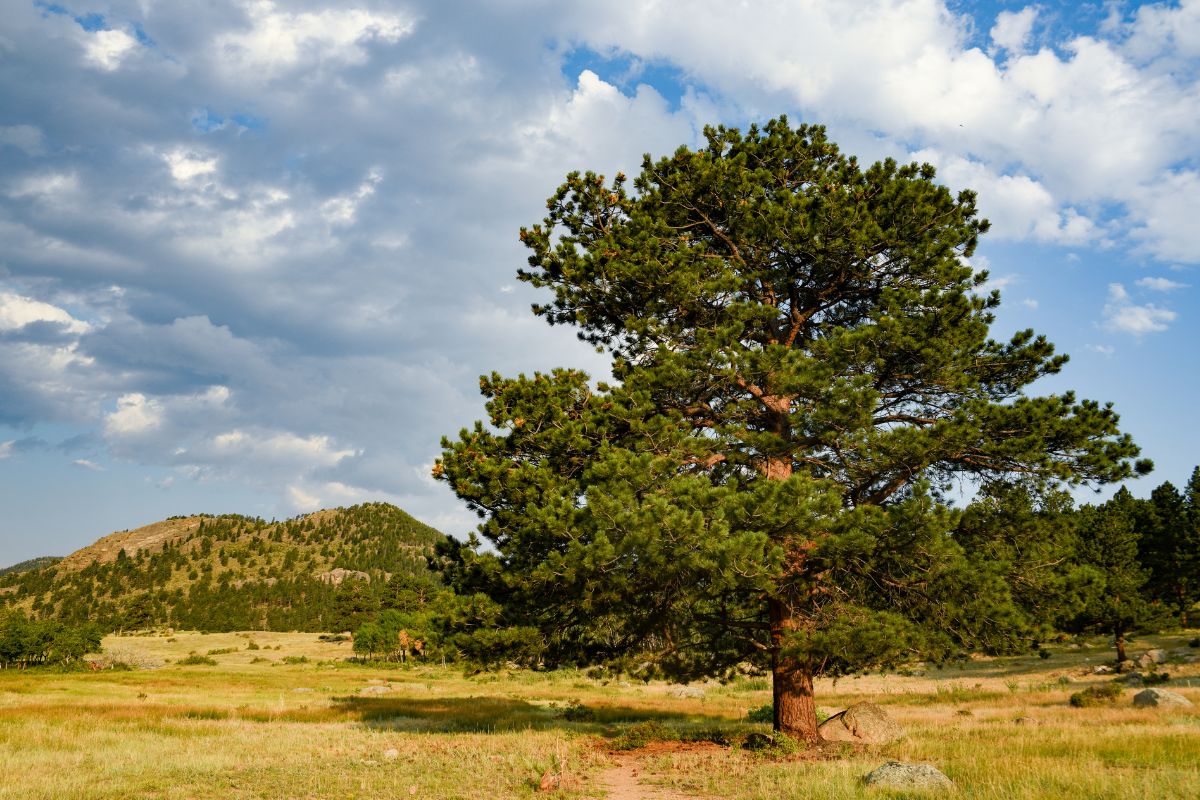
(1170, 545)
(1108, 543)
(1028, 537)
(802, 367)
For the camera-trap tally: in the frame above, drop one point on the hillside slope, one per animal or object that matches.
(313, 572)
(33, 563)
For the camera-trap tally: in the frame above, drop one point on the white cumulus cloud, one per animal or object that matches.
(1160, 284)
(106, 49)
(135, 414)
(277, 39)
(1012, 28)
(1122, 314)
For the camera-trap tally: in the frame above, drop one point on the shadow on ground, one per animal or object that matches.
(500, 714)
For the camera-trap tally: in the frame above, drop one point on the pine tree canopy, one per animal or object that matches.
(802, 371)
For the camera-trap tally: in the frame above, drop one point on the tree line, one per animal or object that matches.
(28, 642)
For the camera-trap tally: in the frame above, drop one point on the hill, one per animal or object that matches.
(320, 571)
(33, 563)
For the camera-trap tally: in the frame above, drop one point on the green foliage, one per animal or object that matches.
(764, 713)
(1169, 524)
(1109, 545)
(643, 733)
(1027, 536)
(1104, 694)
(576, 711)
(32, 564)
(28, 642)
(196, 660)
(803, 369)
(240, 573)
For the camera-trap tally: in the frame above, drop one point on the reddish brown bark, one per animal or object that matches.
(791, 682)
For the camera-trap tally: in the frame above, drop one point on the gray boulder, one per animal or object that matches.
(1151, 659)
(865, 723)
(1160, 698)
(690, 692)
(898, 775)
(375, 690)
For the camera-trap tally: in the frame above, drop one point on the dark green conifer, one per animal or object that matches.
(802, 367)
(1108, 543)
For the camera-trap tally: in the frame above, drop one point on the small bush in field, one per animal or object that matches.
(577, 712)
(1103, 695)
(195, 660)
(642, 734)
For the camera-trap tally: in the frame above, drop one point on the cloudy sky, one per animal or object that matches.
(254, 255)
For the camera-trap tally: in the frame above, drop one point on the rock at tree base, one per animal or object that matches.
(1160, 698)
(897, 775)
(1151, 658)
(865, 723)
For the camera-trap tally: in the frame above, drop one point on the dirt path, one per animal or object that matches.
(624, 781)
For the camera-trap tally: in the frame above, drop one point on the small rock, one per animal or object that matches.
(1160, 698)
(1191, 659)
(1147, 661)
(694, 692)
(1026, 721)
(862, 722)
(391, 754)
(375, 690)
(897, 775)
(1157, 655)
(1103, 669)
(1132, 678)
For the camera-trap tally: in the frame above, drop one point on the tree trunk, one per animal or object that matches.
(1121, 657)
(791, 682)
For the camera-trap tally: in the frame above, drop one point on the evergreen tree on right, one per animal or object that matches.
(1108, 543)
(1170, 546)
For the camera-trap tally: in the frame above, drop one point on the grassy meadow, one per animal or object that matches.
(293, 718)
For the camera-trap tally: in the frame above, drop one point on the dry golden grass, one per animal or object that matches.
(257, 726)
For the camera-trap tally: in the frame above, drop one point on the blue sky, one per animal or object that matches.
(255, 254)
